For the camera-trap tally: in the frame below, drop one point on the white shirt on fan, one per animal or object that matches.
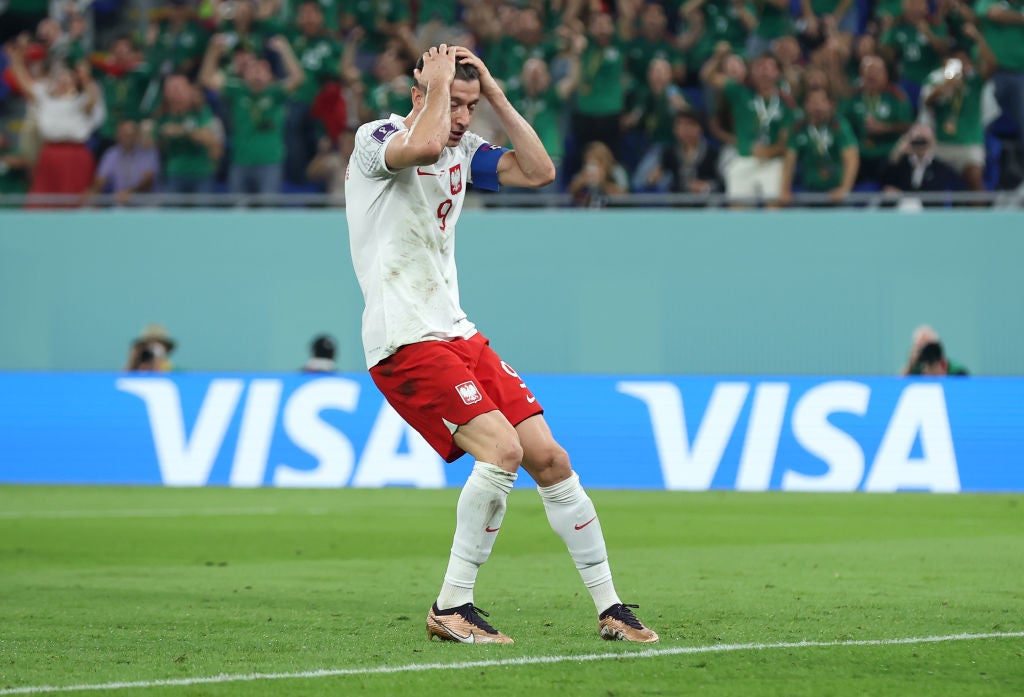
(401, 227)
(64, 119)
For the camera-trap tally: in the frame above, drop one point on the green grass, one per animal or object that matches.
(103, 585)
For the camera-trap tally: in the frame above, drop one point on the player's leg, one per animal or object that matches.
(573, 517)
(494, 444)
(432, 388)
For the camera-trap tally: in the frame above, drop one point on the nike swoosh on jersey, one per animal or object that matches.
(580, 527)
(425, 174)
(470, 639)
(530, 399)
(490, 529)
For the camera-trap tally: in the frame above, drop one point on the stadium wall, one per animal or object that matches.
(625, 432)
(558, 291)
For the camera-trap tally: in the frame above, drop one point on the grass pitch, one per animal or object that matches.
(137, 585)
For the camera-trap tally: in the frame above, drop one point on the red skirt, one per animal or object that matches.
(63, 168)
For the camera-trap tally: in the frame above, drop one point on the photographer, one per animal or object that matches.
(151, 351)
(258, 112)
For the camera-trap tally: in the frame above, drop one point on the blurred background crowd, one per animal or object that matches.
(762, 99)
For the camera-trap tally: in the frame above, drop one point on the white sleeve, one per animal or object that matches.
(370, 143)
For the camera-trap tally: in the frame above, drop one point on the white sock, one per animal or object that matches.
(477, 520)
(572, 515)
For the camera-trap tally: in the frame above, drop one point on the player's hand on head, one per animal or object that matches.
(487, 82)
(438, 65)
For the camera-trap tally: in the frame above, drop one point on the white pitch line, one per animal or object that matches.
(500, 662)
(139, 513)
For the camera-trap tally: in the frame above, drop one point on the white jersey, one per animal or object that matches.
(401, 228)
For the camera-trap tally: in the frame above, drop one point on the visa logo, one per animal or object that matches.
(187, 459)
(690, 459)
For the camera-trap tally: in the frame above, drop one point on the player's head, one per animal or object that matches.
(465, 95)
(932, 360)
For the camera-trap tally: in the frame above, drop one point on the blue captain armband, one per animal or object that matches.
(484, 166)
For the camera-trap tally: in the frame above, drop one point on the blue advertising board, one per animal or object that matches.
(630, 432)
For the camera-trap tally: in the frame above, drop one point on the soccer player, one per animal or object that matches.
(405, 188)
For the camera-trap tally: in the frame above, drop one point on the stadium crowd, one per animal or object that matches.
(756, 99)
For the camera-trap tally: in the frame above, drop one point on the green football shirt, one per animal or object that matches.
(182, 156)
(319, 58)
(601, 92)
(257, 121)
(756, 119)
(819, 153)
(916, 56)
(1006, 40)
(958, 118)
(544, 113)
(889, 107)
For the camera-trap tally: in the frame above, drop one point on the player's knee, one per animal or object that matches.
(550, 465)
(509, 454)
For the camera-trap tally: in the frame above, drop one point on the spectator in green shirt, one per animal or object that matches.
(186, 134)
(257, 107)
(125, 81)
(917, 43)
(542, 103)
(320, 57)
(952, 98)
(601, 94)
(712, 22)
(653, 106)
(762, 116)
(176, 41)
(651, 42)
(389, 90)
(822, 152)
(823, 17)
(773, 22)
(525, 39)
(879, 114)
(1002, 24)
(382, 21)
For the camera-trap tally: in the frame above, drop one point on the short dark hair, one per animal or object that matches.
(463, 71)
(323, 346)
(931, 353)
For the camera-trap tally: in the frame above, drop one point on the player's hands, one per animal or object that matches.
(438, 66)
(488, 85)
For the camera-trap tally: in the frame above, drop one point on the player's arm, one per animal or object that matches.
(528, 164)
(423, 142)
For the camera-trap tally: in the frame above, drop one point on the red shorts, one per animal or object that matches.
(433, 382)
